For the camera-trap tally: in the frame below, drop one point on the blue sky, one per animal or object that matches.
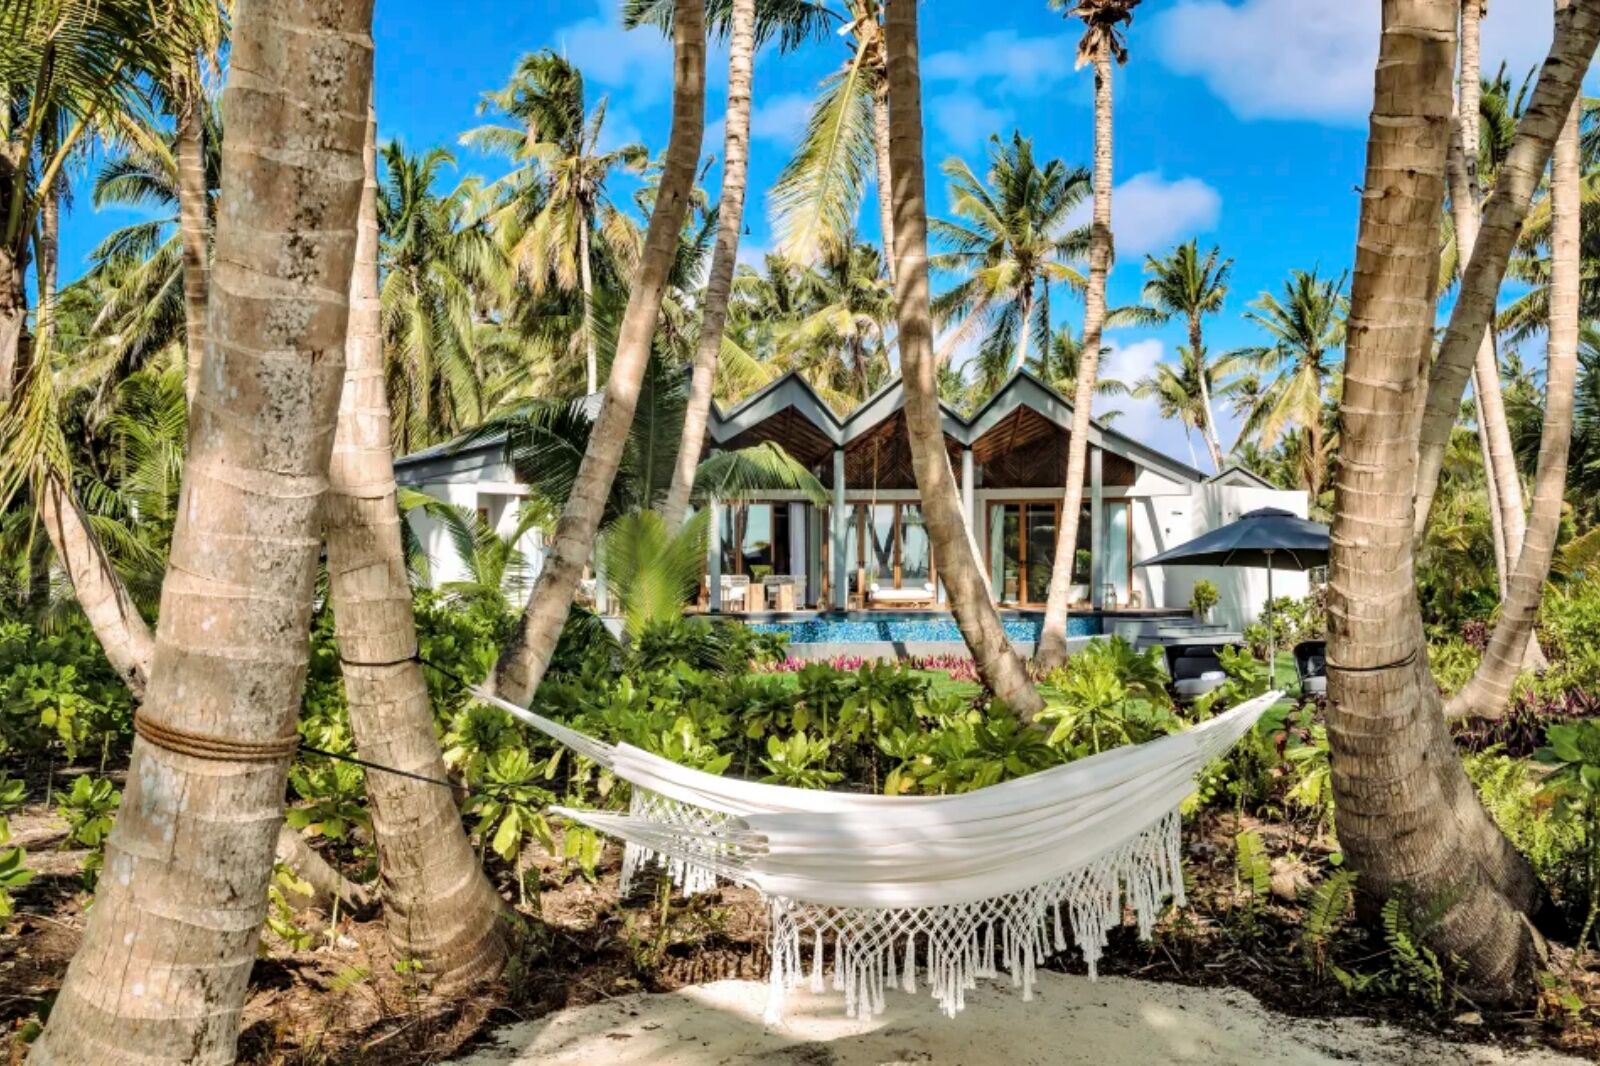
(1242, 121)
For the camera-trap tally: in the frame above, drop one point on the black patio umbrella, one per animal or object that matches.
(1269, 537)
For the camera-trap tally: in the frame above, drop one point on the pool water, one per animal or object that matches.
(858, 627)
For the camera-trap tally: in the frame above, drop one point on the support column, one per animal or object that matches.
(797, 547)
(1097, 568)
(814, 541)
(840, 521)
(969, 501)
(714, 558)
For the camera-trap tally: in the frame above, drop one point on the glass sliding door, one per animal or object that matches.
(916, 557)
(1005, 551)
(755, 546)
(1041, 551)
(1117, 546)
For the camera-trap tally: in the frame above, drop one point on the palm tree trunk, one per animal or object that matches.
(527, 654)
(1020, 360)
(1197, 346)
(49, 255)
(439, 908)
(13, 325)
(880, 141)
(99, 590)
(1559, 81)
(591, 361)
(162, 970)
(1497, 530)
(730, 222)
(1488, 692)
(953, 555)
(1052, 650)
(1408, 818)
(1502, 478)
(13, 288)
(129, 646)
(193, 223)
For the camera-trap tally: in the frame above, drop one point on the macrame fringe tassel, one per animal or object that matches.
(960, 942)
(875, 949)
(688, 877)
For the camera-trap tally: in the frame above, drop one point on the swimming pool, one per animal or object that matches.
(921, 627)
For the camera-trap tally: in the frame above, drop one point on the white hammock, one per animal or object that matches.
(960, 883)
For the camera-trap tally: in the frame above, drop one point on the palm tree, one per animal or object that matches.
(1503, 484)
(1190, 286)
(1008, 243)
(546, 441)
(555, 201)
(69, 73)
(1473, 311)
(1408, 816)
(1489, 690)
(1184, 392)
(818, 194)
(440, 910)
(523, 662)
(1306, 332)
(230, 656)
(437, 267)
(746, 25)
(1057, 366)
(144, 273)
(1101, 43)
(953, 553)
(653, 568)
(196, 37)
(840, 338)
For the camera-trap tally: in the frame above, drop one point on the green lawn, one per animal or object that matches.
(941, 683)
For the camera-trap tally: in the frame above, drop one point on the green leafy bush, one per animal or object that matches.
(1203, 597)
(89, 808)
(14, 872)
(58, 694)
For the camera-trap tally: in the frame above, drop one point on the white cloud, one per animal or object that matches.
(1149, 213)
(639, 61)
(965, 121)
(1311, 59)
(1141, 419)
(1002, 61)
(781, 119)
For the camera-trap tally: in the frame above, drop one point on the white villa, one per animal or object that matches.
(868, 548)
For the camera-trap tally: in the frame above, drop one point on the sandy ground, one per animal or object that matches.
(1112, 1022)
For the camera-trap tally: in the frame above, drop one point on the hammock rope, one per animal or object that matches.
(959, 886)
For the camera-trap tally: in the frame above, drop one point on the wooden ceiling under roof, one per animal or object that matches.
(795, 433)
(1024, 450)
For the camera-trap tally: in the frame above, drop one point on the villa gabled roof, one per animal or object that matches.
(1022, 390)
(1234, 474)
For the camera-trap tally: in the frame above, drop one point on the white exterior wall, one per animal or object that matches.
(501, 501)
(1174, 520)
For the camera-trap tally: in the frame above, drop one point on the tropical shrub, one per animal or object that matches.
(14, 872)
(88, 808)
(58, 695)
(1106, 696)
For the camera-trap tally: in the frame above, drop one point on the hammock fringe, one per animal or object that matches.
(878, 949)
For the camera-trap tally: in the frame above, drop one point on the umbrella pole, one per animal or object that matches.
(1272, 636)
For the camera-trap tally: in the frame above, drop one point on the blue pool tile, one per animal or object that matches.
(908, 630)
